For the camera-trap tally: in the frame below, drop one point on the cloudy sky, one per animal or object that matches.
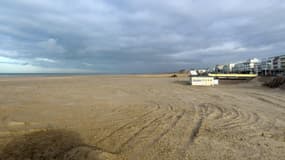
(134, 36)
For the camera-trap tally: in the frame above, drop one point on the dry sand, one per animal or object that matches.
(139, 117)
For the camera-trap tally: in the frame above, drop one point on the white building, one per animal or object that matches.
(239, 67)
(228, 68)
(201, 71)
(219, 68)
(266, 66)
(282, 62)
(249, 66)
(273, 65)
(278, 65)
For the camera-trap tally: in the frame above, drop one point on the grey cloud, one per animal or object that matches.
(140, 36)
(15, 63)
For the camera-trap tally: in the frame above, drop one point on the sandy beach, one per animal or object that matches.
(145, 117)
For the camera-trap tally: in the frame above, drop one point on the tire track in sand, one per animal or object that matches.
(146, 142)
(150, 124)
(201, 112)
(266, 100)
(118, 139)
(126, 124)
(171, 126)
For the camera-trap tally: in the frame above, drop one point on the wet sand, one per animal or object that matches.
(144, 117)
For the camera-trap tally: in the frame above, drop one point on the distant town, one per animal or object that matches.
(267, 66)
(271, 66)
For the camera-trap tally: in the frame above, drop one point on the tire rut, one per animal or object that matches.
(124, 126)
(135, 126)
(171, 126)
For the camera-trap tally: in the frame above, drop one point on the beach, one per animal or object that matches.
(147, 117)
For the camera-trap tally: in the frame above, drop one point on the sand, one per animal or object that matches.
(139, 117)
